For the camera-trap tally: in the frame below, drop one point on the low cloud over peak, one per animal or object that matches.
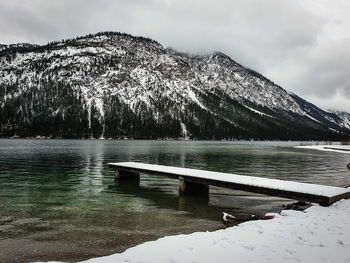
(301, 45)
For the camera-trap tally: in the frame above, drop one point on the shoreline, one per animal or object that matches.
(302, 142)
(345, 149)
(287, 143)
(317, 234)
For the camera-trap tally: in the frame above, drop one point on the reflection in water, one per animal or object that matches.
(59, 201)
(94, 166)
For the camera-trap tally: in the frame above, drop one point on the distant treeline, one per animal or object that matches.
(26, 47)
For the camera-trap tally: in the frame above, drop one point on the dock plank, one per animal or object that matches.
(288, 189)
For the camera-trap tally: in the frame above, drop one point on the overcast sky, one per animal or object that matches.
(302, 45)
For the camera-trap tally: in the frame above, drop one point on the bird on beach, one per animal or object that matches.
(227, 218)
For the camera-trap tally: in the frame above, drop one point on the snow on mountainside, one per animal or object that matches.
(117, 85)
(344, 118)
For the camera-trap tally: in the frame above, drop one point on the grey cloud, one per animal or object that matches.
(322, 72)
(276, 37)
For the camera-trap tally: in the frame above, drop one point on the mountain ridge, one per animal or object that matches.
(116, 85)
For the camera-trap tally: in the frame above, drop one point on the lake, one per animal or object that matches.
(59, 200)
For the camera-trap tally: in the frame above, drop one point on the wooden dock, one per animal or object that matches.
(193, 181)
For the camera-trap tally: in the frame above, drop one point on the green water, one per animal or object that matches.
(59, 200)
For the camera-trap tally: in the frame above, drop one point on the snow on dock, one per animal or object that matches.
(194, 178)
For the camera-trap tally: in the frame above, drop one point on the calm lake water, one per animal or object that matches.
(59, 200)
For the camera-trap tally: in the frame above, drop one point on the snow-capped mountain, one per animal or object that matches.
(117, 85)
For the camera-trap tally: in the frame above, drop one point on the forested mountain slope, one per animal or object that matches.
(117, 85)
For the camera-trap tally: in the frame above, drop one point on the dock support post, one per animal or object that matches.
(120, 174)
(191, 188)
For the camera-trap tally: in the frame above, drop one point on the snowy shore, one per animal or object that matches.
(318, 234)
(329, 148)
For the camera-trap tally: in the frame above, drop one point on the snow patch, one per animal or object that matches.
(328, 148)
(193, 97)
(184, 131)
(259, 112)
